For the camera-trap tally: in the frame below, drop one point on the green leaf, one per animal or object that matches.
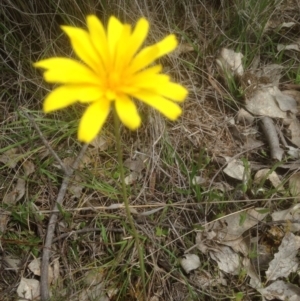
(243, 217)
(263, 211)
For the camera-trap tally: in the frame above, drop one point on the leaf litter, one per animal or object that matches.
(216, 239)
(271, 175)
(10, 158)
(225, 241)
(28, 289)
(190, 262)
(294, 184)
(229, 247)
(281, 290)
(285, 261)
(10, 199)
(290, 217)
(236, 169)
(263, 99)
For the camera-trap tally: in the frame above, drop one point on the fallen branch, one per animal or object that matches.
(68, 172)
(51, 227)
(271, 134)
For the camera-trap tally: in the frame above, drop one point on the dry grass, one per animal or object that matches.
(99, 240)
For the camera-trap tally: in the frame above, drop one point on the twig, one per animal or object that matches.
(53, 218)
(51, 226)
(272, 137)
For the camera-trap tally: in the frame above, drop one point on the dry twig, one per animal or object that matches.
(68, 172)
(272, 137)
(51, 226)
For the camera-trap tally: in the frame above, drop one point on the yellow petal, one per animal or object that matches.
(134, 83)
(145, 57)
(169, 90)
(137, 39)
(143, 76)
(67, 71)
(149, 54)
(64, 96)
(150, 81)
(168, 108)
(93, 120)
(127, 112)
(121, 49)
(173, 91)
(167, 45)
(84, 48)
(114, 31)
(99, 38)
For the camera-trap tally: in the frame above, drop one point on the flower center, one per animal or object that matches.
(112, 84)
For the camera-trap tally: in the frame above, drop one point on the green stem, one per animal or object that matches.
(126, 202)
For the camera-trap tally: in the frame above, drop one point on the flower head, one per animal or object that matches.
(113, 69)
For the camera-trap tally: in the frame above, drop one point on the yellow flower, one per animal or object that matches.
(112, 70)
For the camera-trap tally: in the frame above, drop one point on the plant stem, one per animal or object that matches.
(126, 202)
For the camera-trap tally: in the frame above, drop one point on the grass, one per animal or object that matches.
(177, 152)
